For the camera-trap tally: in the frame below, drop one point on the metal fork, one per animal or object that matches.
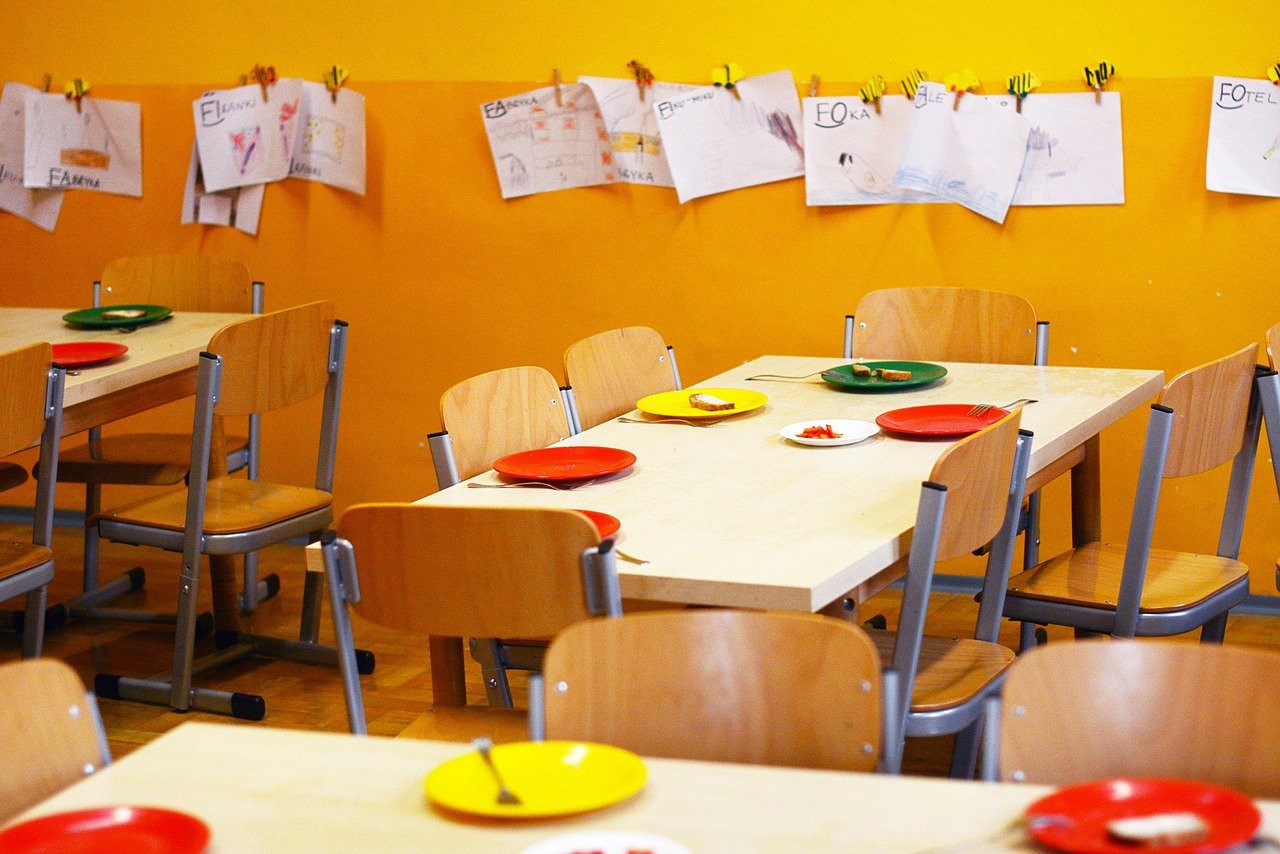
(1019, 829)
(535, 483)
(505, 795)
(767, 377)
(708, 423)
(984, 408)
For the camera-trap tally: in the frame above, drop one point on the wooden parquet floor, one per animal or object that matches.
(397, 695)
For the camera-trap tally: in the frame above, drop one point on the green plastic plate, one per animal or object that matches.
(922, 373)
(100, 317)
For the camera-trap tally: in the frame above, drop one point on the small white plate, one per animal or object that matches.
(850, 431)
(607, 841)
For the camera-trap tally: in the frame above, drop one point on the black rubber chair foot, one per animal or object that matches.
(877, 622)
(248, 707)
(364, 662)
(106, 685)
(224, 638)
(56, 617)
(273, 587)
(1042, 636)
(204, 625)
(137, 577)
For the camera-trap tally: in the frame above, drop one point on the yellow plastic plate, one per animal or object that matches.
(551, 778)
(675, 404)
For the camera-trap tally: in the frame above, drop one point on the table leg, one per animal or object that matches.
(1086, 496)
(448, 675)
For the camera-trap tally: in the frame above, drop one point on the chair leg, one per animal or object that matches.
(33, 624)
(309, 630)
(1026, 637)
(488, 651)
(346, 653)
(964, 758)
(1031, 536)
(1215, 630)
(185, 635)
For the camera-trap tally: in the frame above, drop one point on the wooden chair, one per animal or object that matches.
(1074, 712)
(1268, 389)
(31, 403)
(50, 733)
(1203, 418)
(798, 690)
(184, 283)
(495, 414)
(253, 366)
(607, 373)
(478, 572)
(972, 497)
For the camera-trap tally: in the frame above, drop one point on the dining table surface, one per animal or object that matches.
(265, 789)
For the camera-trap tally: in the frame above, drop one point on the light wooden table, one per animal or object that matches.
(160, 367)
(275, 790)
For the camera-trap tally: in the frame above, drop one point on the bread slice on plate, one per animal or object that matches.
(1160, 830)
(710, 403)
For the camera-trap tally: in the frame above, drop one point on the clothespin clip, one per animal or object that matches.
(333, 80)
(555, 81)
(874, 91)
(814, 82)
(728, 77)
(1021, 85)
(77, 89)
(264, 76)
(912, 82)
(644, 77)
(961, 82)
(1096, 78)
(48, 81)
(1273, 74)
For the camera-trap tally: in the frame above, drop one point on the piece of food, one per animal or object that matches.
(709, 402)
(860, 370)
(124, 313)
(893, 376)
(1160, 830)
(819, 431)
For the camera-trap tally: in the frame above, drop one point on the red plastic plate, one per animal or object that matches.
(942, 419)
(605, 524)
(567, 463)
(79, 353)
(1232, 817)
(139, 830)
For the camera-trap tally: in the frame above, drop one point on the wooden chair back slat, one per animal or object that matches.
(945, 325)
(274, 359)
(976, 471)
(499, 413)
(1273, 346)
(725, 686)
(182, 282)
(47, 733)
(1210, 405)
(469, 571)
(24, 381)
(1075, 712)
(610, 371)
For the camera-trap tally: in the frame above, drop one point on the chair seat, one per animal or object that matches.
(19, 557)
(145, 459)
(232, 506)
(952, 671)
(1090, 577)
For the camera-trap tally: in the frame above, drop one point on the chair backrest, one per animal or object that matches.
(610, 371)
(725, 686)
(50, 733)
(1210, 405)
(1273, 345)
(976, 472)
(182, 282)
(472, 571)
(945, 324)
(1074, 712)
(499, 413)
(275, 359)
(24, 383)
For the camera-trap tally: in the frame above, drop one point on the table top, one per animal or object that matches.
(735, 515)
(156, 350)
(264, 789)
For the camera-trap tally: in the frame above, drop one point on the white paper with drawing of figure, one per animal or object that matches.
(1075, 151)
(40, 207)
(239, 207)
(716, 142)
(851, 152)
(244, 140)
(538, 146)
(633, 128)
(971, 156)
(331, 141)
(98, 147)
(1244, 137)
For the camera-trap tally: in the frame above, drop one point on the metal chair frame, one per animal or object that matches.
(1267, 387)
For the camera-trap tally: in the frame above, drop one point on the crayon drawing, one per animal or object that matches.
(331, 142)
(40, 207)
(244, 140)
(1075, 151)
(246, 149)
(633, 128)
(1244, 137)
(852, 152)
(97, 148)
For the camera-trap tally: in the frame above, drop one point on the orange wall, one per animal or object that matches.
(441, 279)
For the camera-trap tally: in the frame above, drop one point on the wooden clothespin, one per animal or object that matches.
(1097, 78)
(333, 80)
(264, 76)
(814, 82)
(1021, 85)
(76, 90)
(874, 91)
(961, 82)
(728, 76)
(912, 82)
(1273, 74)
(644, 77)
(48, 81)
(555, 81)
